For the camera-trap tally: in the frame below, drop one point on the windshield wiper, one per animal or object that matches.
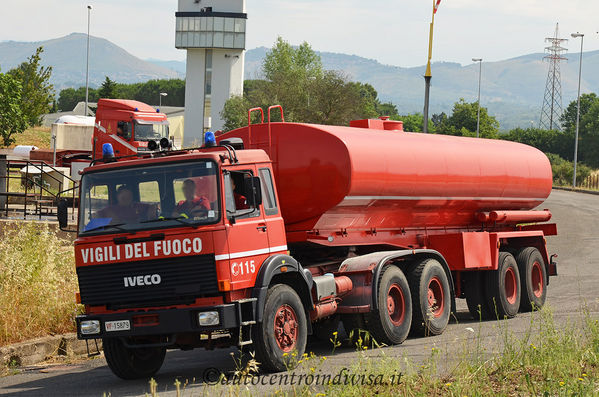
(116, 226)
(172, 218)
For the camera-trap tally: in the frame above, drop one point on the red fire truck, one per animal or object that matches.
(279, 230)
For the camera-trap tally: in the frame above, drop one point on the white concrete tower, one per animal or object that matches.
(213, 33)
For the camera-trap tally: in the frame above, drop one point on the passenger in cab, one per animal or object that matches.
(126, 210)
(192, 206)
(241, 202)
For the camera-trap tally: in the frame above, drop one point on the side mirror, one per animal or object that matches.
(253, 191)
(62, 213)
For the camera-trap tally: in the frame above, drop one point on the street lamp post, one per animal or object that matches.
(480, 72)
(161, 95)
(576, 35)
(89, 10)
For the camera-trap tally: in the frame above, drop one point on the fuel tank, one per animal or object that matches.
(380, 177)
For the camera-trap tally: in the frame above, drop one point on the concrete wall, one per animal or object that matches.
(73, 137)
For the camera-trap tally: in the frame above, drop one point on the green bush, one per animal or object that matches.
(563, 171)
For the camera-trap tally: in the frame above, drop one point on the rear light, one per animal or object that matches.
(89, 327)
(78, 297)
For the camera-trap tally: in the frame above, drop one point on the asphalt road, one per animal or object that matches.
(577, 245)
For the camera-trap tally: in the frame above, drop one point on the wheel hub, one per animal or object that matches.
(395, 304)
(536, 278)
(435, 297)
(286, 328)
(511, 288)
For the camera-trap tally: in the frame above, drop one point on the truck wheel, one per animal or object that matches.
(475, 296)
(390, 324)
(431, 298)
(533, 279)
(503, 287)
(132, 363)
(283, 330)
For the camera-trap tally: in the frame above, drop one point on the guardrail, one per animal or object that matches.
(35, 185)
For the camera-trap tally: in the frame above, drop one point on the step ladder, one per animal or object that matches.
(245, 313)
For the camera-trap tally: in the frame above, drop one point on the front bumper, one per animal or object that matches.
(170, 322)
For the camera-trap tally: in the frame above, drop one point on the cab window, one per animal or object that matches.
(235, 196)
(269, 200)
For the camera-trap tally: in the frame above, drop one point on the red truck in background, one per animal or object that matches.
(278, 230)
(129, 126)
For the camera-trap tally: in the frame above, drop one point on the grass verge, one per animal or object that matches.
(37, 283)
(34, 136)
(547, 360)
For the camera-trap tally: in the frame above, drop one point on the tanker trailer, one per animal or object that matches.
(412, 219)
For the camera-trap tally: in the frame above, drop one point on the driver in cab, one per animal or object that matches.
(126, 210)
(192, 206)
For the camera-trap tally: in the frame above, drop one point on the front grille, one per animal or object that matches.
(181, 281)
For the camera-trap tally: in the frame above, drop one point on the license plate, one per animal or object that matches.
(121, 325)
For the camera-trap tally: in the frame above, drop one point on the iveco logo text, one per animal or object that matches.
(138, 281)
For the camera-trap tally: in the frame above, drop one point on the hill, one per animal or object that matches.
(512, 89)
(67, 55)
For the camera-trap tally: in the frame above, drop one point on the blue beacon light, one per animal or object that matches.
(209, 139)
(107, 150)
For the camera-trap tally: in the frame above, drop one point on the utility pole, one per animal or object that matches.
(89, 10)
(576, 35)
(480, 73)
(427, 75)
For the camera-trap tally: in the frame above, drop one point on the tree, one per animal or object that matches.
(548, 141)
(295, 79)
(463, 121)
(70, 97)
(37, 93)
(568, 118)
(12, 119)
(108, 89)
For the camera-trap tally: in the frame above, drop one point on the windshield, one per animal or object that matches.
(149, 131)
(149, 197)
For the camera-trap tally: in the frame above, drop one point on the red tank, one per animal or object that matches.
(332, 178)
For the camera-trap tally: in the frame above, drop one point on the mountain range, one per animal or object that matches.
(512, 89)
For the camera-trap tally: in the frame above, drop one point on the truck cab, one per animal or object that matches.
(186, 231)
(129, 126)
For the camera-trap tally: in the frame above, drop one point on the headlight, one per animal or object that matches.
(89, 327)
(208, 318)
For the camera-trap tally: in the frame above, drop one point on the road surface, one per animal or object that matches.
(577, 245)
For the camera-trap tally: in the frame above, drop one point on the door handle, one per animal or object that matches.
(263, 228)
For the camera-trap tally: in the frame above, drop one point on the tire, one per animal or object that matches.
(476, 297)
(533, 279)
(390, 324)
(431, 298)
(503, 287)
(284, 315)
(132, 363)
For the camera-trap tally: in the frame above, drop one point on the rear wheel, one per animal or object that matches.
(281, 337)
(431, 297)
(533, 279)
(503, 287)
(390, 324)
(132, 363)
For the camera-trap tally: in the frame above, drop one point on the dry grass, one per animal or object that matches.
(34, 136)
(37, 283)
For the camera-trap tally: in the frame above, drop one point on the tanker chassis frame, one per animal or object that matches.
(236, 279)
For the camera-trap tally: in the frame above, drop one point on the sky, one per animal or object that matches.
(393, 32)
